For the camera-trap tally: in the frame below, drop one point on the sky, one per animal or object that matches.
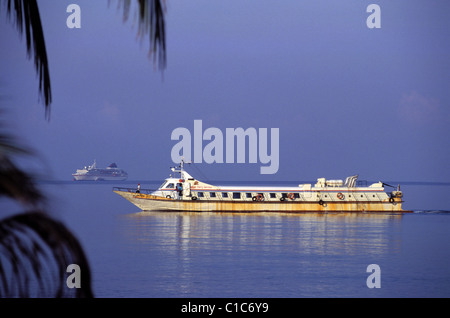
(347, 99)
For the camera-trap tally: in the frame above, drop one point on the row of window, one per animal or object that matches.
(239, 195)
(249, 195)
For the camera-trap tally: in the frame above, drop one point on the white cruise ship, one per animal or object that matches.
(92, 173)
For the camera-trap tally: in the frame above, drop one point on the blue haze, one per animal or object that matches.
(347, 100)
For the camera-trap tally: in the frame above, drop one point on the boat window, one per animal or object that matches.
(212, 194)
(162, 185)
(297, 195)
(248, 195)
(273, 195)
(224, 194)
(236, 195)
(200, 194)
(170, 185)
(284, 195)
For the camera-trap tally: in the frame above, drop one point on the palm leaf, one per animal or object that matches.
(151, 24)
(27, 19)
(35, 251)
(14, 182)
(17, 184)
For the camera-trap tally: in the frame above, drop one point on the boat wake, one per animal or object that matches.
(432, 212)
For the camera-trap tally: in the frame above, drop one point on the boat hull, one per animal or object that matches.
(148, 202)
(98, 178)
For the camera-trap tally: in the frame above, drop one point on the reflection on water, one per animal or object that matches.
(316, 233)
(232, 254)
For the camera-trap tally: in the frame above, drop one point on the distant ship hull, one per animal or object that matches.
(98, 178)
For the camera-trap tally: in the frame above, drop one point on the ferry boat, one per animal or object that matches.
(92, 173)
(189, 194)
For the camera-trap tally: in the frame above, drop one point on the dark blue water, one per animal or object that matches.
(155, 254)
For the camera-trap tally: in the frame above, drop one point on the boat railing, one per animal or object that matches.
(134, 190)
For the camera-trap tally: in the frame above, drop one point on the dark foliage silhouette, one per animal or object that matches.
(35, 249)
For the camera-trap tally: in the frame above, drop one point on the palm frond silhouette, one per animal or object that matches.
(35, 248)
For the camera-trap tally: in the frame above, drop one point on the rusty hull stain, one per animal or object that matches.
(149, 202)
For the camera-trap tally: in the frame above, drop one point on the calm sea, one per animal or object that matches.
(168, 255)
